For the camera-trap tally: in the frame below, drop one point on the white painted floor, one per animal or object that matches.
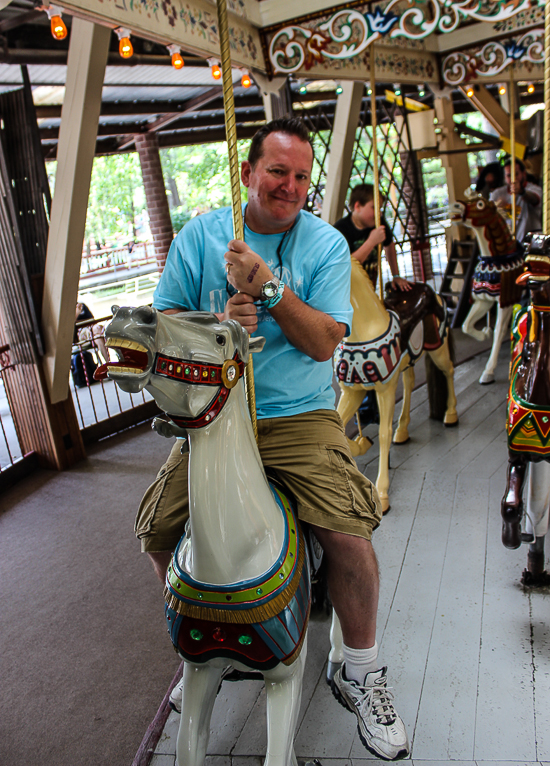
(468, 651)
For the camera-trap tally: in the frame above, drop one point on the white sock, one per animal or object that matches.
(359, 662)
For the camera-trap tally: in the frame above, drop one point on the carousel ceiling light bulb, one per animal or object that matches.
(469, 92)
(177, 58)
(339, 90)
(125, 47)
(530, 88)
(246, 80)
(57, 25)
(502, 90)
(216, 72)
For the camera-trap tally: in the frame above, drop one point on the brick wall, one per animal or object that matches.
(155, 194)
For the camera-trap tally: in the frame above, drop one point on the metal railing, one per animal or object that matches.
(116, 265)
(102, 408)
(10, 449)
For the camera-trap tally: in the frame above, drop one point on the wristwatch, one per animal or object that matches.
(269, 290)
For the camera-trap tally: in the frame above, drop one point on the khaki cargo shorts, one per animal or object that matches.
(310, 454)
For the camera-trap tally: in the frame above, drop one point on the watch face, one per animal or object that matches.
(269, 290)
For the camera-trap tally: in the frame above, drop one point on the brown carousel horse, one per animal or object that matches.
(500, 262)
(385, 340)
(528, 418)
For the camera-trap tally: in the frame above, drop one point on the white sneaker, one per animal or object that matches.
(381, 730)
(176, 696)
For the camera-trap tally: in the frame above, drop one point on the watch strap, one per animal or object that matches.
(276, 298)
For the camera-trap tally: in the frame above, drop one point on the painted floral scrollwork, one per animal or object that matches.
(445, 15)
(344, 35)
(459, 68)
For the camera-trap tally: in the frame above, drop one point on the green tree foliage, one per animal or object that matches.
(116, 197)
(202, 177)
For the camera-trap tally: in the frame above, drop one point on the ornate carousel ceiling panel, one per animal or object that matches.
(192, 24)
(338, 39)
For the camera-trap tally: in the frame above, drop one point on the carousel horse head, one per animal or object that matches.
(483, 217)
(186, 361)
(536, 276)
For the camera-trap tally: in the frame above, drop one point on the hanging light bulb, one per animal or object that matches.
(339, 89)
(216, 71)
(177, 58)
(246, 81)
(469, 91)
(530, 88)
(57, 25)
(502, 90)
(125, 47)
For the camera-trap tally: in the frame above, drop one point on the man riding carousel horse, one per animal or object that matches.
(289, 281)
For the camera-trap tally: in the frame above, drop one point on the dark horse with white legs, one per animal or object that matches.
(528, 418)
(500, 262)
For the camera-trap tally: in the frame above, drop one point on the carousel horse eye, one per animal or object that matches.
(480, 204)
(145, 314)
(220, 340)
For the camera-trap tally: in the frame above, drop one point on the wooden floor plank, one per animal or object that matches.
(447, 712)
(505, 714)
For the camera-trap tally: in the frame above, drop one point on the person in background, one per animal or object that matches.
(490, 178)
(95, 333)
(528, 200)
(363, 236)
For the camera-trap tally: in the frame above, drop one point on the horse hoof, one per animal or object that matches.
(449, 421)
(530, 580)
(401, 438)
(385, 503)
(332, 667)
(360, 445)
(511, 534)
(487, 378)
(488, 333)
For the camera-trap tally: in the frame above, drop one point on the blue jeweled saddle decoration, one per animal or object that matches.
(259, 622)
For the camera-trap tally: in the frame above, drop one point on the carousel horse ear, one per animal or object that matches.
(471, 194)
(114, 309)
(256, 344)
(239, 336)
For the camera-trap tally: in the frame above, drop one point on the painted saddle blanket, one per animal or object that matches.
(370, 362)
(259, 622)
(496, 275)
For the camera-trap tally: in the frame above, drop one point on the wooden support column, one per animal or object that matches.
(160, 222)
(456, 165)
(346, 120)
(86, 63)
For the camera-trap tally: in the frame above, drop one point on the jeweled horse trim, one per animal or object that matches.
(248, 601)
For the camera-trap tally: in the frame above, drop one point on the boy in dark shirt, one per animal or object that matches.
(363, 237)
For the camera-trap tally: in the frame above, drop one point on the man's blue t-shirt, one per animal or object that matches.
(315, 265)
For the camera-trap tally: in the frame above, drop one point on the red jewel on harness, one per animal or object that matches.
(218, 635)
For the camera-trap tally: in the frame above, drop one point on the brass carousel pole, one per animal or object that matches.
(546, 149)
(377, 218)
(231, 134)
(512, 104)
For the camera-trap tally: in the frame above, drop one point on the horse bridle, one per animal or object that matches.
(225, 376)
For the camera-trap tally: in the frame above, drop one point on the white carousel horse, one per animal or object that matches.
(237, 589)
(528, 418)
(500, 262)
(382, 344)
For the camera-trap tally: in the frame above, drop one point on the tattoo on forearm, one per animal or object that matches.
(252, 274)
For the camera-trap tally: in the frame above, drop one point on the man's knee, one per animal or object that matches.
(160, 561)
